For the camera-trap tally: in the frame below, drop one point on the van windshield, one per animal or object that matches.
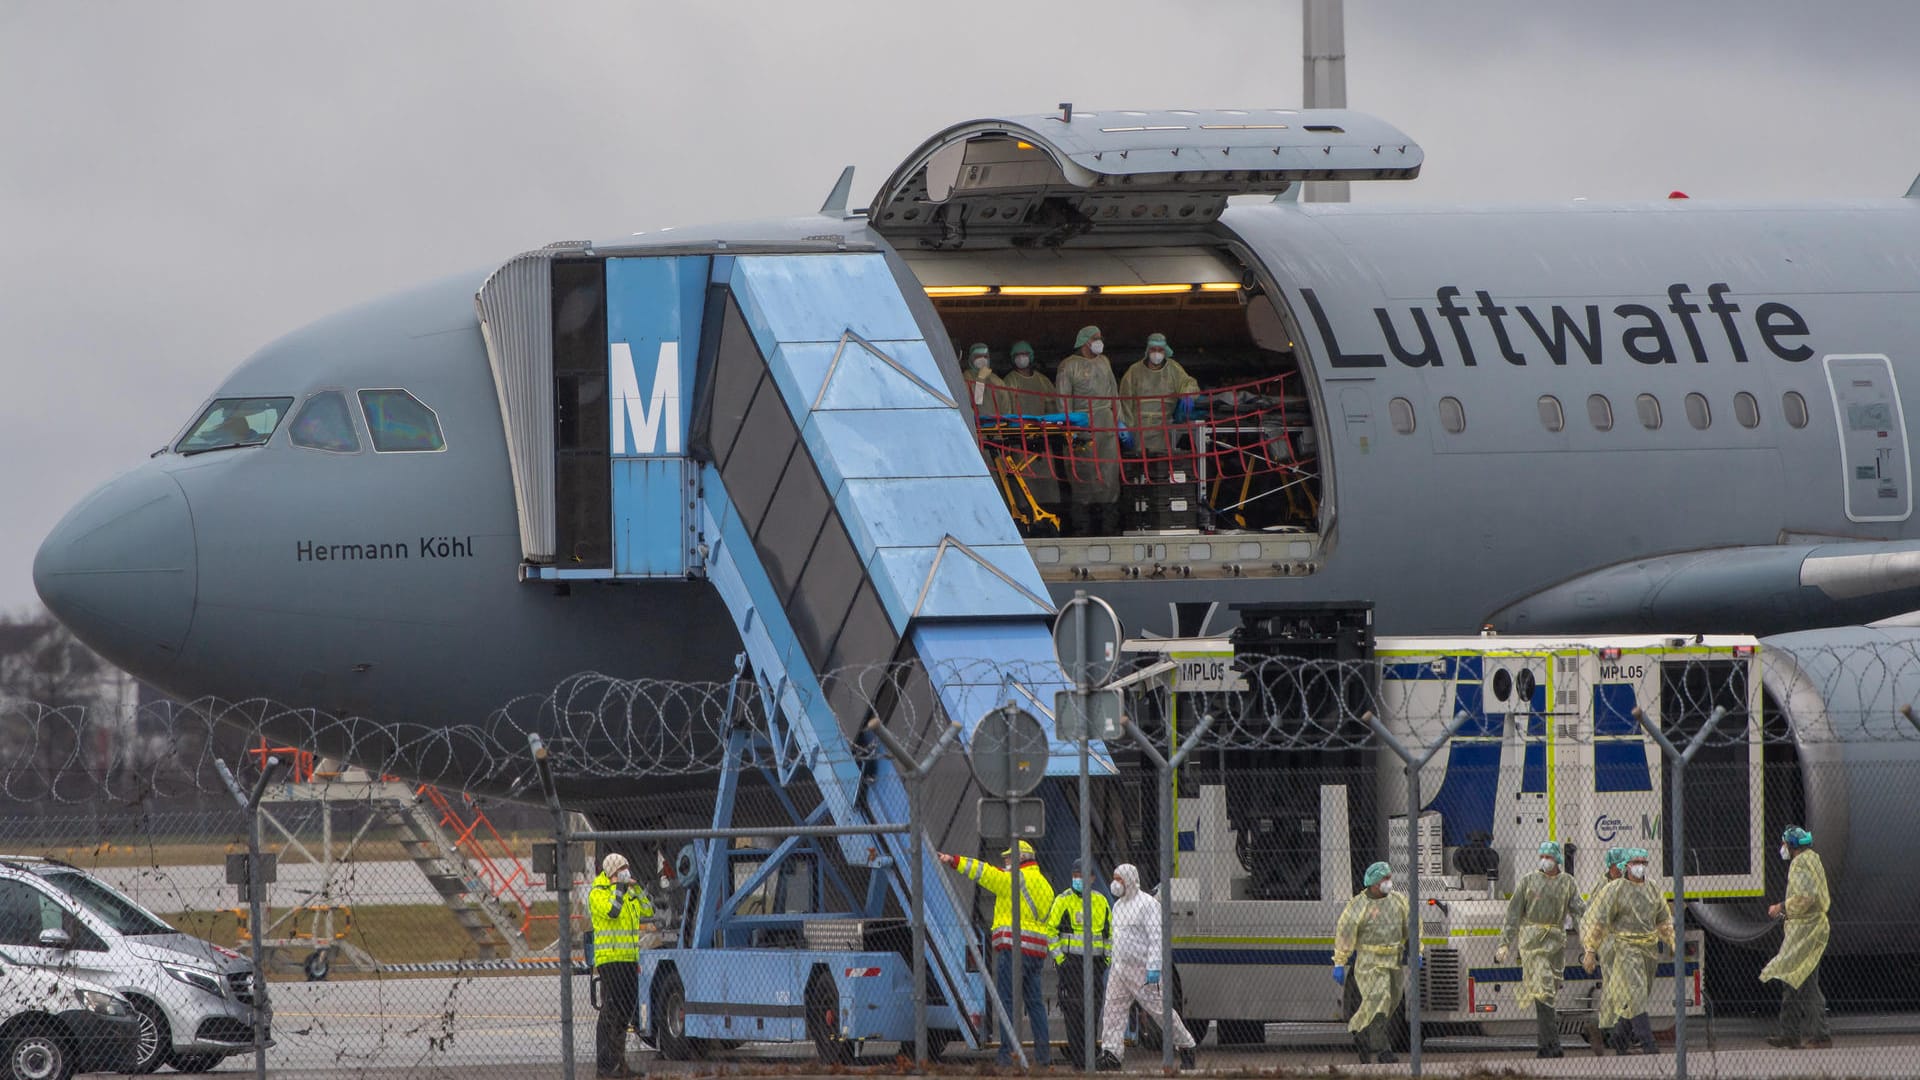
(119, 912)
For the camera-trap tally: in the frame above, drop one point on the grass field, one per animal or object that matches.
(379, 846)
(391, 933)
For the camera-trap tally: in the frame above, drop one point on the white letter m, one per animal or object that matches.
(660, 408)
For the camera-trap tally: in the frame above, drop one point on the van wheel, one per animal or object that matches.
(153, 1042)
(195, 1063)
(38, 1054)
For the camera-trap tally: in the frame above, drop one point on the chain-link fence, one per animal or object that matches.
(420, 885)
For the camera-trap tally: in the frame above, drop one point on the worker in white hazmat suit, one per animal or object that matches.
(1134, 977)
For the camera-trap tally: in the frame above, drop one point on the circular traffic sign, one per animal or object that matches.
(1009, 753)
(1086, 640)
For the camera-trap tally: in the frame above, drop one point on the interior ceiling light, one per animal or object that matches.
(1219, 286)
(1022, 145)
(1044, 290)
(1142, 290)
(959, 290)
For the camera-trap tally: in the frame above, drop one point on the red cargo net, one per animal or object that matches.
(1235, 446)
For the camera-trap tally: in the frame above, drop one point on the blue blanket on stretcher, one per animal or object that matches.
(1072, 419)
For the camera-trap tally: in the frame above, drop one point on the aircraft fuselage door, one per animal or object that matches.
(654, 309)
(1876, 470)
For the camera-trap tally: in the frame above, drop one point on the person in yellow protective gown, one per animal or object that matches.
(1631, 913)
(1537, 916)
(1031, 393)
(1149, 392)
(1803, 1008)
(1086, 384)
(1600, 1029)
(1373, 931)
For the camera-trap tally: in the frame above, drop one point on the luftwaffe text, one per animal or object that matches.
(1556, 333)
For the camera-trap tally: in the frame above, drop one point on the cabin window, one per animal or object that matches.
(1600, 412)
(325, 423)
(1552, 416)
(1697, 412)
(231, 422)
(1402, 412)
(1746, 410)
(1795, 407)
(1453, 417)
(400, 423)
(1649, 408)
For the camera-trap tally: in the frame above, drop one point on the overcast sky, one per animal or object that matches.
(182, 182)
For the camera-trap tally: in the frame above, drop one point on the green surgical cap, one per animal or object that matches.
(1021, 347)
(1159, 341)
(1086, 334)
(1376, 873)
(979, 349)
(1616, 856)
(1638, 854)
(1551, 848)
(1796, 836)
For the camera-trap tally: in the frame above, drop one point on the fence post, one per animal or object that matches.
(914, 772)
(1168, 839)
(1677, 835)
(563, 899)
(256, 903)
(1416, 960)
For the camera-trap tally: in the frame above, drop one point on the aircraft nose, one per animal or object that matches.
(121, 571)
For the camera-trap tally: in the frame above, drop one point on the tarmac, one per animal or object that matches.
(507, 1028)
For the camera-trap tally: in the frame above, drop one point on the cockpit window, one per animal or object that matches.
(231, 422)
(400, 423)
(325, 423)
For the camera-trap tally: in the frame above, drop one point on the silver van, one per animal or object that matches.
(193, 999)
(53, 1024)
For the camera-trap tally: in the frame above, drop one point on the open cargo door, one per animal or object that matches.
(1044, 179)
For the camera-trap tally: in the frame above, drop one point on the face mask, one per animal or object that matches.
(623, 877)
(1097, 347)
(1386, 886)
(1114, 887)
(981, 363)
(1022, 361)
(1156, 358)
(1078, 885)
(1637, 872)
(1784, 853)
(1547, 865)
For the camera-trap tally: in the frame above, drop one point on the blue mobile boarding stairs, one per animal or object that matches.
(829, 488)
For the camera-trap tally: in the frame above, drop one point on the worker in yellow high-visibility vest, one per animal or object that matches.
(1068, 945)
(617, 907)
(1027, 947)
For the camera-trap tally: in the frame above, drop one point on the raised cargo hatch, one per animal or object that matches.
(1044, 179)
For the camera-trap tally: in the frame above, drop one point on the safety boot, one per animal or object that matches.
(1107, 1062)
(1186, 1060)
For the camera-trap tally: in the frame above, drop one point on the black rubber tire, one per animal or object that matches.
(39, 1053)
(670, 1018)
(823, 1021)
(150, 1055)
(195, 1063)
(318, 964)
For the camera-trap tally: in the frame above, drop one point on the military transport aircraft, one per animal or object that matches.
(1573, 417)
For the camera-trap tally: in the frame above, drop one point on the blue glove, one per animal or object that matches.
(1340, 974)
(1126, 439)
(1153, 976)
(1185, 409)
